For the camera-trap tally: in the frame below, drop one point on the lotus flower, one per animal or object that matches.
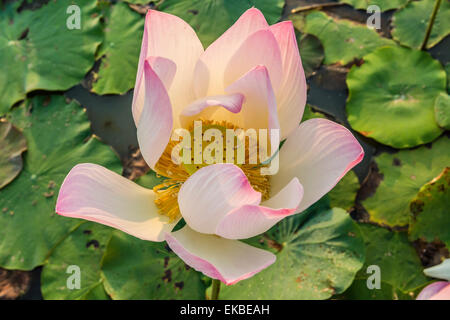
(250, 77)
(439, 290)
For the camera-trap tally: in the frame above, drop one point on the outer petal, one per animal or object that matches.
(291, 95)
(251, 220)
(229, 261)
(169, 37)
(319, 153)
(260, 48)
(155, 123)
(215, 58)
(211, 192)
(440, 271)
(205, 107)
(439, 290)
(95, 193)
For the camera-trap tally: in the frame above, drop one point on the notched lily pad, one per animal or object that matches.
(211, 18)
(395, 108)
(119, 51)
(411, 22)
(343, 40)
(38, 50)
(403, 174)
(58, 136)
(430, 216)
(383, 4)
(311, 52)
(12, 144)
(137, 269)
(316, 259)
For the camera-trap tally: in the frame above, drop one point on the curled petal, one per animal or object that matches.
(94, 193)
(230, 261)
(155, 123)
(251, 220)
(319, 153)
(213, 191)
(440, 271)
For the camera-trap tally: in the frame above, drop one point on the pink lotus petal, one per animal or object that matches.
(319, 153)
(211, 192)
(251, 220)
(439, 290)
(155, 124)
(94, 193)
(230, 261)
(169, 37)
(260, 48)
(205, 107)
(211, 67)
(291, 96)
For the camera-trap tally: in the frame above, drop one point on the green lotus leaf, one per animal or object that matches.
(391, 96)
(119, 51)
(442, 111)
(410, 23)
(430, 219)
(12, 144)
(383, 4)
(343, 40)
(311, 52)
(58, 136)
(83, 248)
(39, 52)
(310, 113)
(343, 195)
(137, 269)
(401, 272)
(403, 174)
(317, 258)
(211, 18)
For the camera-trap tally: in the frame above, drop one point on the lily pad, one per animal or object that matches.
(83, 248)
(310, 113)
(385, 249)
(343, 195)
(343, 40)
(442, 111)
(311, 51)
(39, 52)
(410, 23)
(58, 136)
(392, 107)
(316, 259)
(137, 269)
(12, 144)
(403, 174)
(430, 218)
(119, 51)
(383, 4)
(211, 18)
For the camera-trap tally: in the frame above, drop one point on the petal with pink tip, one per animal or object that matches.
(251, 220)
(94, 193)
(291, 95)
(169, 37)
(319, 153)
(213, 191)
(439, 290)
(155, 123)
(215, 58)
(205, 107)
(260, 48)
(230, 261)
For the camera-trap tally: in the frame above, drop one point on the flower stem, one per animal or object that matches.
(215, 289)
(437, 4)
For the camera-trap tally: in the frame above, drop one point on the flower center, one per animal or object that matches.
(210, 143)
